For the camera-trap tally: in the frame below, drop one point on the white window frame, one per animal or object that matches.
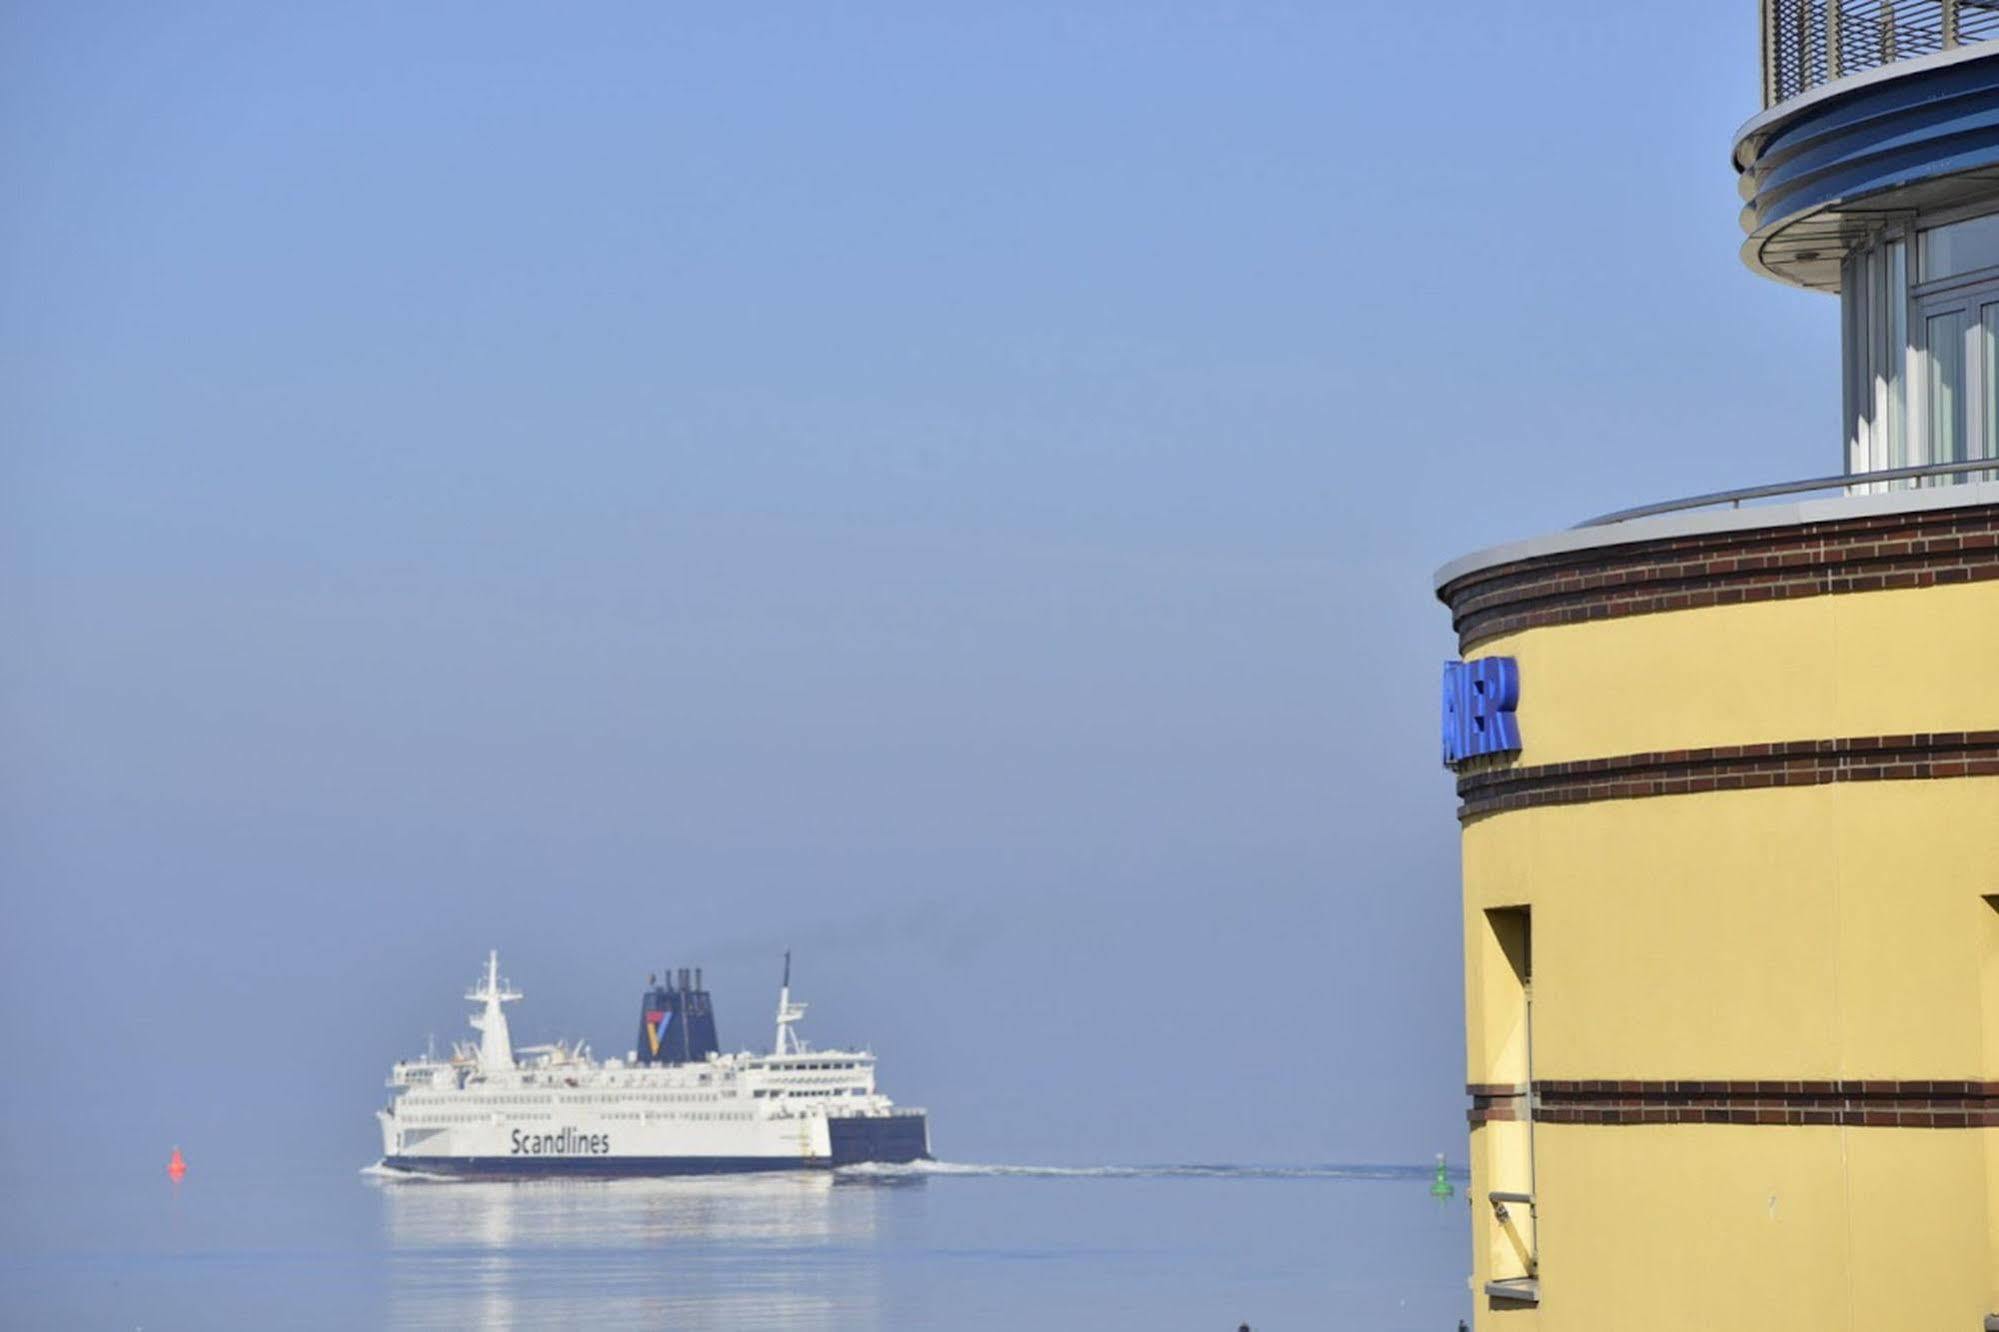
(1877, 435)
(1976, 297)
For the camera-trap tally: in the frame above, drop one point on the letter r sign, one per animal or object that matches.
(1479, 698)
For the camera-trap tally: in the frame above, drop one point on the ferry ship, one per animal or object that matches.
(675, 1105)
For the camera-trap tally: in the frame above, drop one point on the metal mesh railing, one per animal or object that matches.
(1807, 43)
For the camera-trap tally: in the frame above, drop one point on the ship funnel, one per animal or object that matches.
(677, 1021)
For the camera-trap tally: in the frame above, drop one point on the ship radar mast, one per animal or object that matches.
(496, 1046)
(788, 1013)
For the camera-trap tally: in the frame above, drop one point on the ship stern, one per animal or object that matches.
(895, 1139)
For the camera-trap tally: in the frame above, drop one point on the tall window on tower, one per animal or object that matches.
(1921, 328)
(1510, 1217)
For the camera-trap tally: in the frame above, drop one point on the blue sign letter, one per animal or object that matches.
(1479, 698)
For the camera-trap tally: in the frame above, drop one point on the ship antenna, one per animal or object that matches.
(496, 1051)
(787, 1013)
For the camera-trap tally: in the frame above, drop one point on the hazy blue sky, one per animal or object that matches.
(949, 489)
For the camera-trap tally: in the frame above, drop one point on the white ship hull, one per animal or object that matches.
(575, 1140)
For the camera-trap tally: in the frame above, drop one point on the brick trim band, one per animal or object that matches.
(1851, 1103)
(1864, 554)
(1495, 1088)
(1491, 787)
(1491, 1102)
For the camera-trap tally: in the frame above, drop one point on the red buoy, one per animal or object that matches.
(176, 1167)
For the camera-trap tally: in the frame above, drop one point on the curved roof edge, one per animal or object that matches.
(1704, 521)
(1764, 121)
(1824, 171)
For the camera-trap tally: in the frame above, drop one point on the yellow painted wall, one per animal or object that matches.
(1869, 663)
(1916, 1198)
(1812, 932)
(1723, 1227)
(1834, 931)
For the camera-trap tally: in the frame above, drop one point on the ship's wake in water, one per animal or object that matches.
(995, 1170)
(384, 1171)
(919, 1169)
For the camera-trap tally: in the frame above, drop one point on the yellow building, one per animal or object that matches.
(1729, 786)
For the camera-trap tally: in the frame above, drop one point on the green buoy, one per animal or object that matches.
(1440, 1187)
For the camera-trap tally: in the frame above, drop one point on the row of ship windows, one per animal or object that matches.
(619, 1098)
(428, 1119)
(579, 1098)
(598, 1099)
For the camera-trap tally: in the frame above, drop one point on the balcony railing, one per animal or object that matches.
(1807, 43)
(1971, 470)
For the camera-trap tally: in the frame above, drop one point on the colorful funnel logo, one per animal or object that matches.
(656, 1023)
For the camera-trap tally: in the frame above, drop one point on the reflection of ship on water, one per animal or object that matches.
(676, 1105)
(590, 1252)
(791, 1208)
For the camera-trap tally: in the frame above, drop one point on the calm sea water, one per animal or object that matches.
(942, 1246)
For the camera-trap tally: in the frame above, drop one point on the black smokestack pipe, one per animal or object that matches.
(698, 1023)
(676, 1020)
